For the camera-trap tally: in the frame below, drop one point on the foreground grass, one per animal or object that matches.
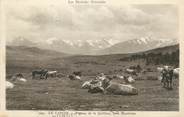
(64, 94)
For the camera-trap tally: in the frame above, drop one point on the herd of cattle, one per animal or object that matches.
(104, 83)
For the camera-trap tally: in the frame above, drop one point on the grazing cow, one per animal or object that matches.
(167, 77)
(39, 72)
(9, 85)
(51, 73)
(176, 72)
(131, 71)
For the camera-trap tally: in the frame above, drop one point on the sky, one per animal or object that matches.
(50, 20)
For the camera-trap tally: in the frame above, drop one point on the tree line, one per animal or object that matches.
(168, 58)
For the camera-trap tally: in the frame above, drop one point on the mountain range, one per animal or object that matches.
(97, 47)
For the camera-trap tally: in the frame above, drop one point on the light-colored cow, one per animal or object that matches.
(131, 71)
(22, 79)
(51, 73)
(9, 85)
(130, 79)
(86, 85)
(119, 77)
(121, 89)
(176, 72)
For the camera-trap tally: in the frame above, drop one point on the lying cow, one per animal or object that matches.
(9, 85)
(86, 85)
(131, 71)
(118, 77)
(121, 89)
(126, 79)
(101, 76)
(74, 77)
(51, 74)
(106, 86)
(129, 79)
(18, 77)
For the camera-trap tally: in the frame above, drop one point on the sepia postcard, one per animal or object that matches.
(78, 58)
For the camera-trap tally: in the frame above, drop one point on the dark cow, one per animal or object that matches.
(42, 73)
(167, 77)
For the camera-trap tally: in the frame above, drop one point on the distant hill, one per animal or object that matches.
(32, 58)
(137, 45)
(163, 50)
(31, 53)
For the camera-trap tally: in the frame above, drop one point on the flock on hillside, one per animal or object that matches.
(102, 83)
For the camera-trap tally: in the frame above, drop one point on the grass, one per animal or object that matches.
(64, 94)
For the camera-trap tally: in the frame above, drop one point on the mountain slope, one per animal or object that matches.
(137, 45)
(31, 53)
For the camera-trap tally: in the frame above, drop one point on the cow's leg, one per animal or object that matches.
(164, 82)
(46, 76)
(171, 83)
(41, 76)
(33, 76)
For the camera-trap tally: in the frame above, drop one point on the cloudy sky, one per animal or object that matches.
(58, 20)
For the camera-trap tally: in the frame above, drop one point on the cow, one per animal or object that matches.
(101, 76)
(77, 73)
(121, 89)
(160, 69)
(118, 77)
(176, 72)
(9, 85)
(167, 77)
(51, 73)
(86, 85)
(18, 77)
(129, 79)
(131, 71)
(74, 77)
(42, 73)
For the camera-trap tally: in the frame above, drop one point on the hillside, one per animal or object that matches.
(30, 57)
(137, 45)
(23, 58)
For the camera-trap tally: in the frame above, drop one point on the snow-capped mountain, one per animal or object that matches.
(21, 41)
(138, 45)
(100, 46)
(67, 46)
(79, 46)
